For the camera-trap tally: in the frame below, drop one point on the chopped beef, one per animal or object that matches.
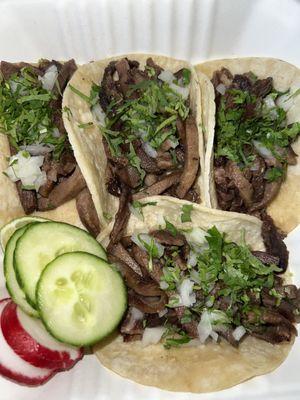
(148, 163)
(141, 257)
(273, 334)
(180, 125)
(273, 242)
(262, 87)
(164, 183)
(121, 217)
(60, 185)
(164, 161)
(129, 176)
(87, 212)
(118, 250)
(150, 179)
(131, 325)
(135, 281)
(191, 164)
(146, 170)
(149, 305)
(64, 191)
(291, 156)
(271, 191)
(266, 258)
(165, 237)
(28, 198)
(242, 184)
(150, 63)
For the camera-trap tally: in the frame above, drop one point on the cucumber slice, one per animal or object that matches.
(12, 285)
(42, 243)
(81, 298)
(7, 230)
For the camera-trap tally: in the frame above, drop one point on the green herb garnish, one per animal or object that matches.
(139, 206)
(242, 118)
(26, 116)
(273, 174)
(85, 125)
(170, 227)
(186, 212)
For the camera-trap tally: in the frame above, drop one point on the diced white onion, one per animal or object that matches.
(196, 235)
(192, 258)
(238, 333)
(26, 168)
(269, 101)
(49, 77)
(152, 335)
(169, 77)
(135, 315)
(166, 76)
(221, 88)
(163, 312)
(55, 133)
(214, 335)
(38, 149)
(187, 297)
(98, 114)
(209, 303)
(194, 275)
(149, 150)
(138, 239)
(285, 101)
(262, 150)
(204, 327)
(182, 91)
(13, 86)
(163, 285)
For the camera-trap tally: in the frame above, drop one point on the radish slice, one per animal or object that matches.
(16, 369)
(29, 339)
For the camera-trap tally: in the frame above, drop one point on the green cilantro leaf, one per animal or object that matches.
(186, 212)
(273, 174)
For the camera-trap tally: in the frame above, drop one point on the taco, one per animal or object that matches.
(208, 307)
(135, 125)
(39, 173)
(252, 137)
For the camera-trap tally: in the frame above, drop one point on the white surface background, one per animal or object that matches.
(190, 29)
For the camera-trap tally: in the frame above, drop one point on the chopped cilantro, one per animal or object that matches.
(170, 227)
(80, 94)
(136, 162)
(243, 118)
(85, 125)
(186, 76)
(107, 216)
(139, 206)
(148, 113)
(26, 116)
(68, 111)
(273, 174)
(186, 212)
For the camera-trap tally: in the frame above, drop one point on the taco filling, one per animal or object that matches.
(150, 136)
(41, 162)
(194, 284)
(252, 146)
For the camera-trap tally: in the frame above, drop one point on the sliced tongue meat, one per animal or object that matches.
(63, 192)
(191, 164)
(87, 212)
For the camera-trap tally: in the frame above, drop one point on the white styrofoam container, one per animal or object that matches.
(191, 29)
